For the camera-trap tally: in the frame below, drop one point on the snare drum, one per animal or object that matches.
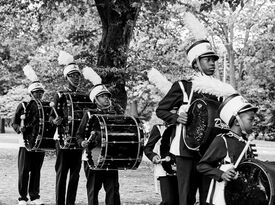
(117, 142)
(39, 131)
(71, 107)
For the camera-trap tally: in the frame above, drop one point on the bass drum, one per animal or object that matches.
(116, 142)
(254, 186)
(168, 166)
(39, 131)
(200, 128)
(71, 107)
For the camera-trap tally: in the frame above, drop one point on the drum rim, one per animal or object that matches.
(71, 110)
(139, 140)
(39, 136)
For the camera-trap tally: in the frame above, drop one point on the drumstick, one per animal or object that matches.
(90, 138)
(52, 106)
(166, 159)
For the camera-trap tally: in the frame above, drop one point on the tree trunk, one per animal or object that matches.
(231, 56)
(2, 125)
(118, 21)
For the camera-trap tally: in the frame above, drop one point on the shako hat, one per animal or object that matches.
(200, 49)
(35, 86)
(233, 106)
(31, 75)
(67, 60)
(97, 90)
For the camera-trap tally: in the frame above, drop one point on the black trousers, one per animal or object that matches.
(95, 179)
(189, 180)
(67, 160)
(29, 166)
(169, 190)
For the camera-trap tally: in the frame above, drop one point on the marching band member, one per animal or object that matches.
(202, 58)
(29, 163)
(226, 148)
(101, 96)
(167, 177)
(186, 160)
(66, 159)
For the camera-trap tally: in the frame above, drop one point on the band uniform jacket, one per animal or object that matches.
(31, 121)
(16, 122)
(84, 130)
(217, 151)
(172, 101)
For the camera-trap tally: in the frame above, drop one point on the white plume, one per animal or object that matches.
(30, 73)
(91, 75)
(195, 26)
(159, 80)
(210, 85)
(65, 58)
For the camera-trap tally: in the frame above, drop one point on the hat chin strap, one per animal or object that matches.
(244, 131)
(199, 65)
(73, 84)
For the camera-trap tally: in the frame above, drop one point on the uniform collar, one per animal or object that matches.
(238, 137)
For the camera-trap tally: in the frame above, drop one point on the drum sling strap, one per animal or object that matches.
(211, 196)
(24, 113)
(180, 128)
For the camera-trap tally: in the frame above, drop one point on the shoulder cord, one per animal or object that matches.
(24, 107)
(227, 158)
(185, 96)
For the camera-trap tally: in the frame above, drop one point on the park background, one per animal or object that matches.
(122, 40)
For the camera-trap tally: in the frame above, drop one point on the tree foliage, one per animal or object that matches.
(140, 36)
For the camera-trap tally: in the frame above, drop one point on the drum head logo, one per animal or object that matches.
(199, 106)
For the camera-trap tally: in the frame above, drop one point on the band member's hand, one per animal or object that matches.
(229, 175)
(84, 143)
(182, 118)
(156, 159)
(57, 121)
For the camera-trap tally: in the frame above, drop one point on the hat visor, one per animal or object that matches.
(248, 108)
(104, 92)
(216, 57)
(73, 71)
(38, 89)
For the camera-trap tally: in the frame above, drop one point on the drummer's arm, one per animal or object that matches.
(80, 134)
(53, 118)
(172, 100)
(16, 119)
(208, 165)
(153, 139)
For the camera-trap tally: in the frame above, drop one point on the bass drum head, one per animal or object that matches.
(39, 131)
(33, 117)
(94, 147)
(200, 126)
(254, 185)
